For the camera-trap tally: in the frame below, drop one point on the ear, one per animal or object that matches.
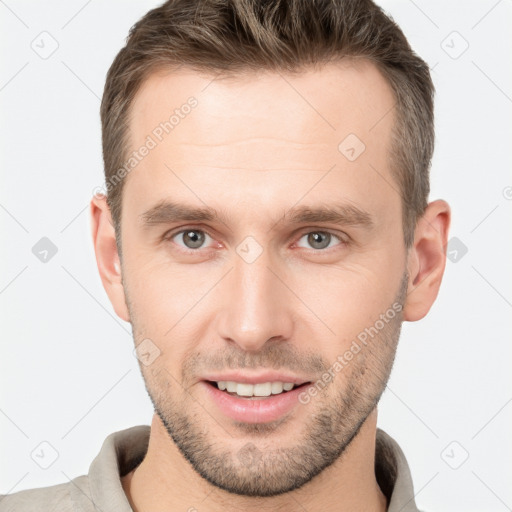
(107, 257)
(426, 260)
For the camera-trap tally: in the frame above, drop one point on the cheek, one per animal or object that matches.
(162, 292)
(167, 303)
(347, 300)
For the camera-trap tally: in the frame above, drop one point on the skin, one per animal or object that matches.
(253, 149)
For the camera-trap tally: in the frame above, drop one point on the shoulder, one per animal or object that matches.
(101, 489)
(61, 497)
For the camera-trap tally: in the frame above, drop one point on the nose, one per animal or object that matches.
(256, 306)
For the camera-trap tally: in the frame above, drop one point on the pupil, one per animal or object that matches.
(193, 239)
(315, 240)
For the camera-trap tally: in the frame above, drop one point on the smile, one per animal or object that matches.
(260, 402)
(262, 389)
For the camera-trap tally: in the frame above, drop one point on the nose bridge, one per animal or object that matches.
(255, 309)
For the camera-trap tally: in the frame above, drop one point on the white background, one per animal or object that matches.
(68, 374)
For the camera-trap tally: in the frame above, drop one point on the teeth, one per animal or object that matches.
(277, 387)
(264, 389)
(248, 390)
(244, 389)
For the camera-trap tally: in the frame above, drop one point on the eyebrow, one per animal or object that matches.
(167, 212)
(344, 214)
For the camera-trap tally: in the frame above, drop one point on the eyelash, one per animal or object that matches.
(170, 235)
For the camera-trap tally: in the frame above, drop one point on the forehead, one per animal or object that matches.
(339, 116)
(313, 105)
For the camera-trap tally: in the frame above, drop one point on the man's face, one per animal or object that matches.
(266, 292)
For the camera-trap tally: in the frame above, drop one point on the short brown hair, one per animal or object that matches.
(232, 36)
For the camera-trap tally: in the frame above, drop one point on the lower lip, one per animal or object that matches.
(254, 410)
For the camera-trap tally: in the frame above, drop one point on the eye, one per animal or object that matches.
(190, 238)
(319, 240)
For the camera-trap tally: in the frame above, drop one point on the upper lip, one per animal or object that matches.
(245, 377)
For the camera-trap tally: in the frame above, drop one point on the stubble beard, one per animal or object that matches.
(254, 467)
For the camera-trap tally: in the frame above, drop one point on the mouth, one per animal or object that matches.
(253, 402)
(259, 390)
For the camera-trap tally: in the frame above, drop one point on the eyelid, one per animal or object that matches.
(316, 229)
(176, 231)
(169, 235)
(342, 237)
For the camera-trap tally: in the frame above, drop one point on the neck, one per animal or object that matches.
(165, 480)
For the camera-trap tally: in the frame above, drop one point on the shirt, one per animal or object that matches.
(101, 490)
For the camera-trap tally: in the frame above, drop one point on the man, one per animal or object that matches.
(265, 231)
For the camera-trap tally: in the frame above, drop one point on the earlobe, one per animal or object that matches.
(427, 260)
(107, 256)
